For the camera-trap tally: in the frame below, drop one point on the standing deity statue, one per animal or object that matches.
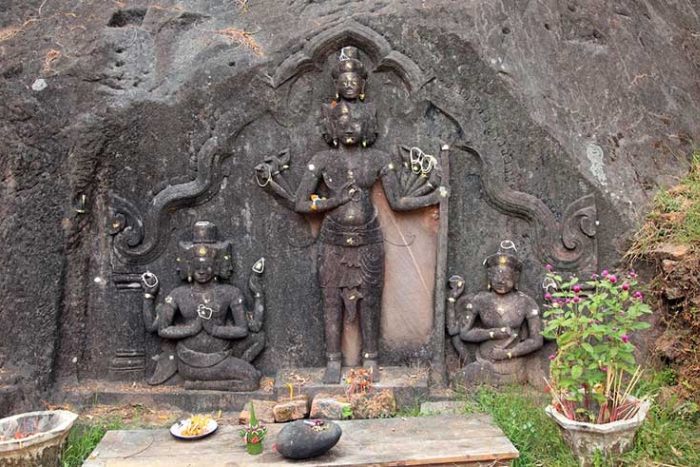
(338, 183)
(503, 322)
(210, 339)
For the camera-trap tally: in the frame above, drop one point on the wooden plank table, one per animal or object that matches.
(465, 440)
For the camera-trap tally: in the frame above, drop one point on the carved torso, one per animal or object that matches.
(359, 168)
(220, 298)
(496, 311)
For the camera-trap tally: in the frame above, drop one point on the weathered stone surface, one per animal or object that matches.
(668, 266)
(443, 408)
(287, 411)
(305, 439)
(264, 412)
(670, 251)
(329, 407)
(553, 100)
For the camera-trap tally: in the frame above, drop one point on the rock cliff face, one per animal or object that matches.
(108, 107)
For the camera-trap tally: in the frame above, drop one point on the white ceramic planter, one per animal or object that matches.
(610, 439)
(40, 449)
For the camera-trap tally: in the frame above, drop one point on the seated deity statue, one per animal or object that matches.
(502, 323)
(209, 338)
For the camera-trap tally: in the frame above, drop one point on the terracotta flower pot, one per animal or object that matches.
(43, 435)
(254, 448)
(610, 439)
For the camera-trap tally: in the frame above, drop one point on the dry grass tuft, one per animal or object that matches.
(50, 57)
(243, 38)
(669, 239)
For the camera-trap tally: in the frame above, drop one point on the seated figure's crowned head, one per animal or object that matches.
(349, 75)
(205, 257)
(503, 272)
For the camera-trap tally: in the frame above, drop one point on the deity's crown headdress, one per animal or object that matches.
(349, 62)
(205, 244)
(503, 258)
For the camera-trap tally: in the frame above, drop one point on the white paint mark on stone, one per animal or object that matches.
(75, 360)
(39, 85)
(595, 155)
(98, 280)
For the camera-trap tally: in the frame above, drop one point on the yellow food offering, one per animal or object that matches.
(197, 424)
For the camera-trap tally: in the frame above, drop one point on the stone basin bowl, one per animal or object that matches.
(43, 447)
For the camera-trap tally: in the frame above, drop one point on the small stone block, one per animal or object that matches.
(291, 410)
(443, 408)
(263, 412)
(329, 407)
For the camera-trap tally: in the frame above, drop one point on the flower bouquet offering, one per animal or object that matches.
(253, 433)
(594, 371)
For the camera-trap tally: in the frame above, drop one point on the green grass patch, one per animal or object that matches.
(84, 438)
(674, 216)
(670, 436)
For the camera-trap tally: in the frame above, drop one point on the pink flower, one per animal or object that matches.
(633, 274)
(612, 278)
(638, 295)
(594, 276)
(549, 267)
(605, 368)
(577, 288)
(568, 301)
(548, 296)
(604, 273)
(551, 356)
(576, 299)
(625, 338)
(625, 286)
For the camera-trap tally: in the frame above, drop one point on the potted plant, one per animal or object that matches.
(253, 433)
(594, 371)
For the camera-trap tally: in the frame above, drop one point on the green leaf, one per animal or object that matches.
(576, 371)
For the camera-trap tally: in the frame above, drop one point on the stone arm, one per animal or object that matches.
(469, 333)
(456, 288)
(166, 318)
(309, 183)
(283, 195)
(150, 316)
(534, 340)
(255, 317)
(239, 328)
(150, 285)
(392, 189)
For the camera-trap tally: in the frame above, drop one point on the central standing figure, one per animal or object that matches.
(338, 182)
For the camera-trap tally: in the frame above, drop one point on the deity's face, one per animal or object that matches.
(502, 278)
(203, 270)
(349, 85)
(349, 128)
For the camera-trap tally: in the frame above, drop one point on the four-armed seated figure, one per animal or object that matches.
(216, 338)
(338, 182)
(503, 322)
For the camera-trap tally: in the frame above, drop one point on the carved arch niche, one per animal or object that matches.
(410, 239)
(426, 113)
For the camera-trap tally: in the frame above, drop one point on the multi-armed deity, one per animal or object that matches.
(338, 182)
(502, 322)
(209, 338)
